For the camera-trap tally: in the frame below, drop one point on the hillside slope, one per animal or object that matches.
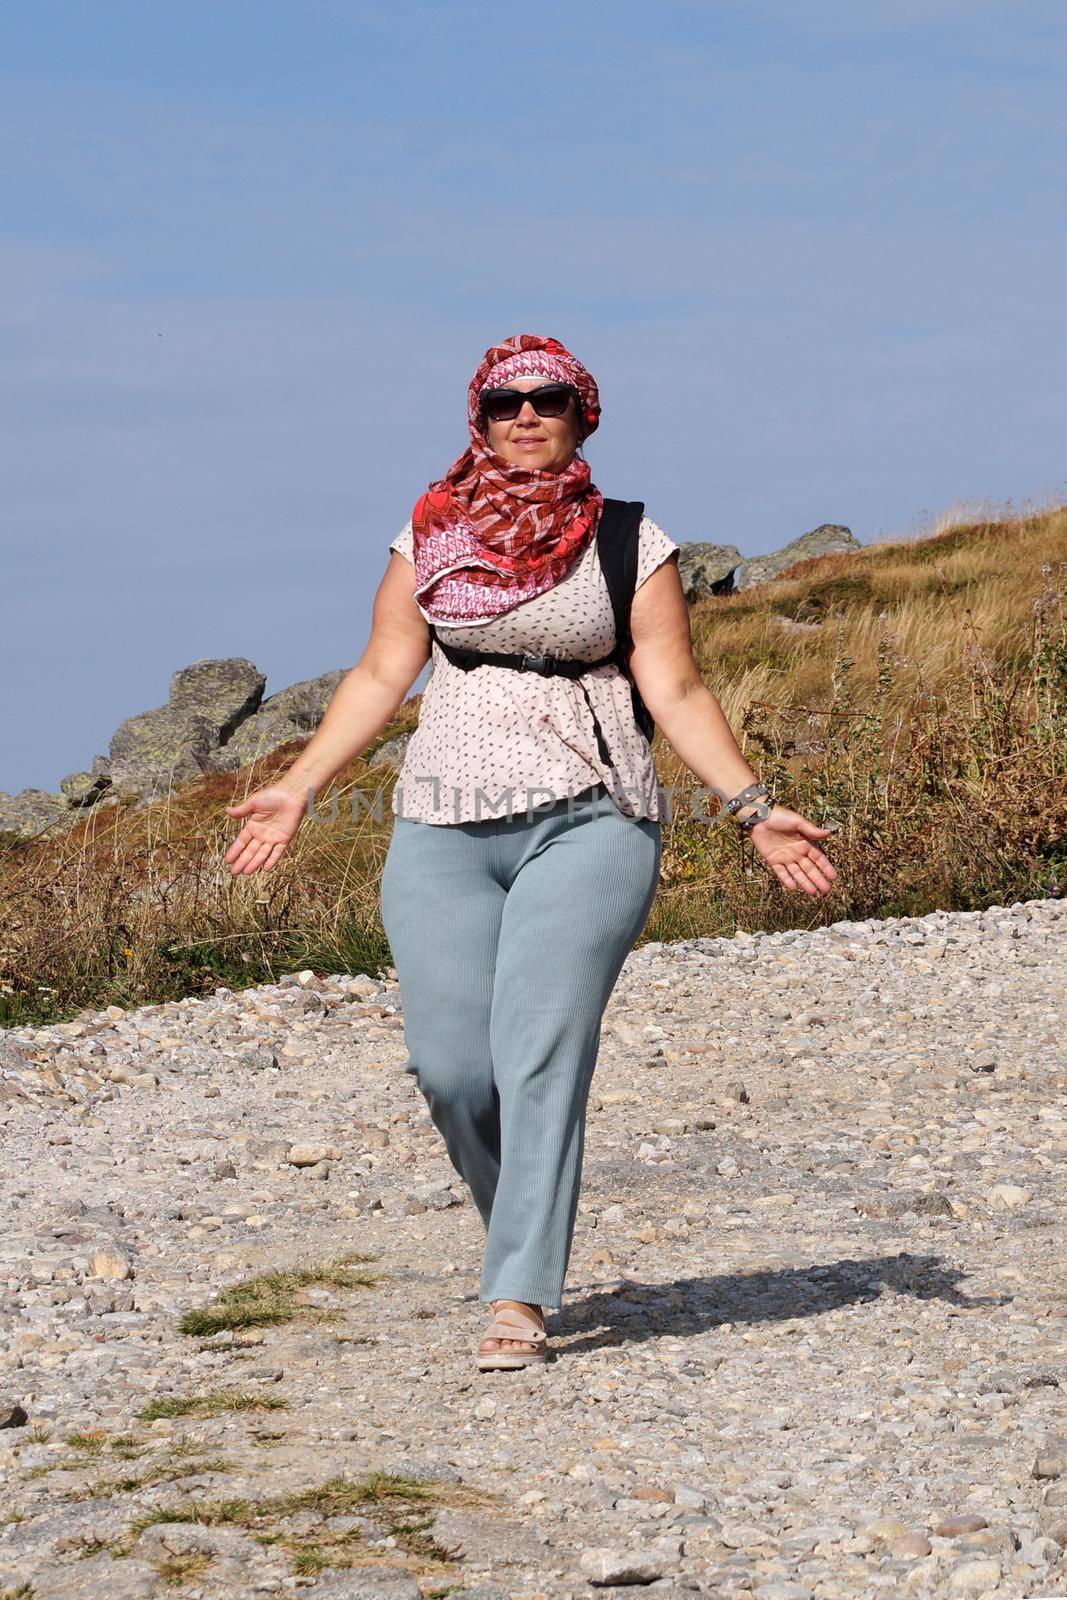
(912, 696)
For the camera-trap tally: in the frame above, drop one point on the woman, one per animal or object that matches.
(509, 930)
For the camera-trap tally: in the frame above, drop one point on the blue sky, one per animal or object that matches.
(813, 251)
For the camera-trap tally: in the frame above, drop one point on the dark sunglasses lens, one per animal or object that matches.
(502, 405)
(551, 401)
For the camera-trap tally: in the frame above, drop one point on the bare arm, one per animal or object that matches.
(694, 725)
(364, 702)
(667, 675)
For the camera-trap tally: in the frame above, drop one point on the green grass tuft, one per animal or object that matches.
(90, 1444)
(216, 1403)
(269, 1298)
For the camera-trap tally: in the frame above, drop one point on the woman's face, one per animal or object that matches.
(547, 443)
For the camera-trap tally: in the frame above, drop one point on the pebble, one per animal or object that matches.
(817, 1354)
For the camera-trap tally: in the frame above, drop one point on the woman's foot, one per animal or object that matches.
(489, 1346)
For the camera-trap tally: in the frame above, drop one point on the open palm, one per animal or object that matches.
(274, 816)
(785, 840)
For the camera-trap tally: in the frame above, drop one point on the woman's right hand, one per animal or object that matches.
(274, 816)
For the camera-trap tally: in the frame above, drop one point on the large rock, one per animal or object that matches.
(86, 788)
(175, 744)
(707, 569)
(31, 811)
(215, 720)
(391, 752)
(293, 713)
(830, 538)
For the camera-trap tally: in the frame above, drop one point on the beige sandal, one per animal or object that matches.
(511, 1323)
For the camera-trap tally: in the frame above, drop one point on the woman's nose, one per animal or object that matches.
(527, 412)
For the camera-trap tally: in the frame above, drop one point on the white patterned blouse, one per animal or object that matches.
(494, 742)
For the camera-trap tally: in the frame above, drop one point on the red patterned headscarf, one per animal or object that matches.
(489, 534)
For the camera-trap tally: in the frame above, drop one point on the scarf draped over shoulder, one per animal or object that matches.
(491, 534)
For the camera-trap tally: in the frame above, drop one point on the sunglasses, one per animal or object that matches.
(504, 405)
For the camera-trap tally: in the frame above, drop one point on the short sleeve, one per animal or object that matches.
(654, 548)
(404, 543)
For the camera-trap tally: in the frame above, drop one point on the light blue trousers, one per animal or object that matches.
(508, 937)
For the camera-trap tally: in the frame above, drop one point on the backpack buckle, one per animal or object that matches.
(545, 665)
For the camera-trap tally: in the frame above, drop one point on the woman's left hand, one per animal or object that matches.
(785, 841)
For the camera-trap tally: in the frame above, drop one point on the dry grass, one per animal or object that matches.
(923, 713)
(134, 906)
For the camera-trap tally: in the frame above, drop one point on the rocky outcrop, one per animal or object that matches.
(293, 713)
(830, 538)
(86, 788)
(707, 569)
(711, 569)
(31, 811)
(214, 720)
(175, 744)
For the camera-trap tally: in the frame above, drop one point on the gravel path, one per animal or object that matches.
(813, 1341)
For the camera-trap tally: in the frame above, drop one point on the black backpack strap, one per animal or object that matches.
(618, 547)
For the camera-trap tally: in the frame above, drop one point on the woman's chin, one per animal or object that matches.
(537, 461)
